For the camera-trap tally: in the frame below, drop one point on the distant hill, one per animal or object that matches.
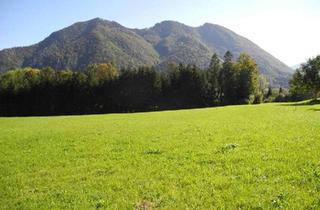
(98, 40)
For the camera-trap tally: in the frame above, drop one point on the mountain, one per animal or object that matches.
(83, 43)
(98, 40)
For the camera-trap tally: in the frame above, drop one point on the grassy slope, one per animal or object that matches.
(229, 157)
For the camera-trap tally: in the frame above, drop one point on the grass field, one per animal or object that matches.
(236, 157)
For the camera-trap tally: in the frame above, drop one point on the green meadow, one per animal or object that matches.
(235, 157)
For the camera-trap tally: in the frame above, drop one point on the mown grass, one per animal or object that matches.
(236, 157)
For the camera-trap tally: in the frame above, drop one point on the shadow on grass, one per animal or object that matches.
(316, 110)
(304, 103)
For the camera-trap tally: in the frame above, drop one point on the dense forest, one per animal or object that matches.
(102, 88)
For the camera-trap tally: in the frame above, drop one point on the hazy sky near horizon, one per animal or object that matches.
(288, 29)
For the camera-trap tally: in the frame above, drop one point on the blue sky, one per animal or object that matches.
(288, 29)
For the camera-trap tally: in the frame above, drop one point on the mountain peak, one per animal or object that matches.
(169, 22)
(208, 25)
(98, 19)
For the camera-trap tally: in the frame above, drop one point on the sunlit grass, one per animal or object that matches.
(234, 157)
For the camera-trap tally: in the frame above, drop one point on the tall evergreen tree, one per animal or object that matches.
(228, 80)
(213, 73)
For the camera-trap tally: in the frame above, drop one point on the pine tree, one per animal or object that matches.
(213, 79)
(227, 80)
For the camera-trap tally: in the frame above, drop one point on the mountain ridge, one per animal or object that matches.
(98, 40)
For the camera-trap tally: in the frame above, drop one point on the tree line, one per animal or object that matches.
(102, 88)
